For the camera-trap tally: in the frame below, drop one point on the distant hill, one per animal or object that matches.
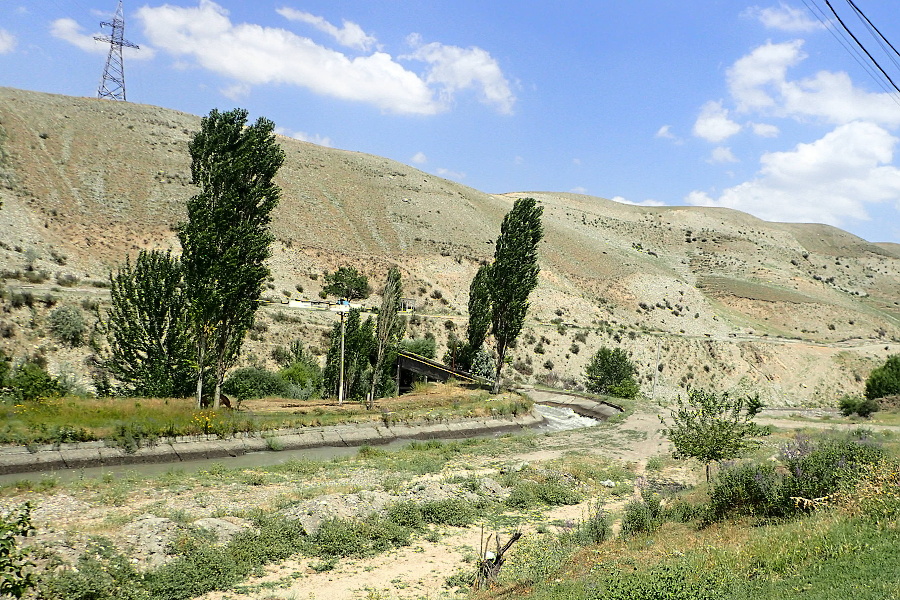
(802, 311)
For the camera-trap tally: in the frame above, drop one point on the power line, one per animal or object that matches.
(860, 44)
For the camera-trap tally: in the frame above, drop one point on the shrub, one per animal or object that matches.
(748, 489)
(406, 514)
(67, 324)
(16, 577)
(885, 380)
(528, 493)
(426, 346)
(864, 407)
(30, 382)
(642, 516)
(342, 537)
(101, 573)
(595, 528)
(253, 382)
(611, 372)
(455, 512)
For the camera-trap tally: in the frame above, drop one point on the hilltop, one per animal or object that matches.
(801, 312)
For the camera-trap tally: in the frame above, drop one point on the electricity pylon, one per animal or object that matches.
(112, 85)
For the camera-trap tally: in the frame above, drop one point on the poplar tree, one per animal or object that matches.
(479, 314)
(147, 329)
(514, 274)
(226, 239)
(388, 329)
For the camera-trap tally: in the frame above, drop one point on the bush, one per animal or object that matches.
(67, 324)
(864, 407)
(101, 573)
(342, 537)
(748, 489)
(406, 514)
(252, 382)
(426, 346)
(611, 372)
(30, 382)
(642, 516)
(455, 512)
(885, 380)
(528, 493)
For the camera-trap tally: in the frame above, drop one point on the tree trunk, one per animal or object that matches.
(501, 354)
(489, 568)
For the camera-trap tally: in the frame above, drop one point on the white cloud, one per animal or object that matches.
(350, 35)
(305, 137)
(255, 55)
(578, 190)
(784, 18)
(827, 181)
(236, 92)
(765, 129)
(665, 132)
(455, 68)
(648, 202)
(70, 31)
(713, 124)
(419, 158)
(758, 82)
(576, 162)
(722, 154)
(7, 42)
(450, 174)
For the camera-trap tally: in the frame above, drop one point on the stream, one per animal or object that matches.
(555, 419)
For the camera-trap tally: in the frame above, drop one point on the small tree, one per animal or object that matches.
(389, 329)
(479, 315)
(712, 427)
(359, 347)
(884, 380)
(67, 324)
(151, 350)
(16, 570)
(513, 275)
(611, 372)
(348, 283)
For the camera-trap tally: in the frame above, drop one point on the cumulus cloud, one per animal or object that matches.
(713, 124)
(758, 82)
(578, 190)
(827, 181)
(253, 55)
(70, 31)
(765, 129)
(454, 68)
(350, 35)
(7, 42)
(419, 158)
(722, 154)
(314, 138)
(784, 18)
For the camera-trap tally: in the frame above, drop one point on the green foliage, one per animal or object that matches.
(301, 371)
(642, 516)
(67, 324)
(424, 346)
(528, 493)
(359, 348)
(611, 372)
(711, 427)
(226, 239)
(343, 537)
(513, 275)
(595, 528)
(406, 513)
(16, 575)
(253, 382)
(864, 407)
(151, 350)
(388, 332)
(814, 469)
(455, 512)
(347, 283)
(29, 382)
(479, 312)
(101, 573)
(884, 380)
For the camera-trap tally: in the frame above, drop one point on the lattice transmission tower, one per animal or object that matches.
(112, 85)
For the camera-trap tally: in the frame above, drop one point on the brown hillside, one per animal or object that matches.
(802, 310)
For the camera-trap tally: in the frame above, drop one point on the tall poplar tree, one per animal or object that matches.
(226, 239)
(388, 330)
(479, 313)
(514, 274)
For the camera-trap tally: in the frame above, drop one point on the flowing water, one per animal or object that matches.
(555, 419)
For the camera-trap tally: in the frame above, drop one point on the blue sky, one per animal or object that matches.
(711, 102)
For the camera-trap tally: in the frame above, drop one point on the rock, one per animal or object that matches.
(223, 529)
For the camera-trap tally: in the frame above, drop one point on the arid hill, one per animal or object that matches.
(800, 312)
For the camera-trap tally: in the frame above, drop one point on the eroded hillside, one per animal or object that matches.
(800, 311)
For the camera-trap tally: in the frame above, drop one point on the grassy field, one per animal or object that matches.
(129, 420)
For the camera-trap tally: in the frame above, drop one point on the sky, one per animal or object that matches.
(751, 106)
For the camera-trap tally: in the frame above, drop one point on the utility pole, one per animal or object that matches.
(341, 309)
(112, 85)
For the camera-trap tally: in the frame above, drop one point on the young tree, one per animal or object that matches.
(359, 346)
(479, 315)
(611, 372)
(514, 274)
(389, 329)
(347, 282)
(147, 328)
(226, 240)
(884, 380)
(713, 427)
